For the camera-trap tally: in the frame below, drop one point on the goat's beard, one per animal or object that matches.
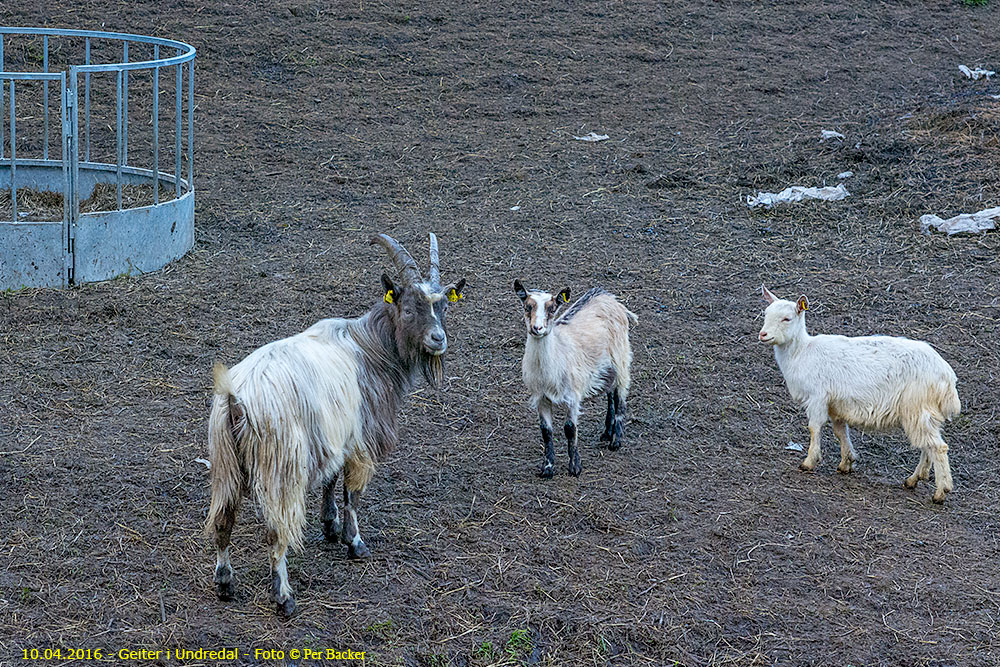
(433, 367)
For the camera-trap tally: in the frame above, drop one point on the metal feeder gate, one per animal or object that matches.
(137, 232)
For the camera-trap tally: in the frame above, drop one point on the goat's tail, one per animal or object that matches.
(632, 317)
(224, 425)
(950, 403)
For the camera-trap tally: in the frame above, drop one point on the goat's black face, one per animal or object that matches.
(421, 309)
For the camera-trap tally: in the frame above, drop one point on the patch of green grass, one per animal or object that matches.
(485, 651)
(975, 3)
(381, 629)
(518, 644)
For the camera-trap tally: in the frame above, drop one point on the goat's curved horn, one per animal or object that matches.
(434, 274)
(404, 262)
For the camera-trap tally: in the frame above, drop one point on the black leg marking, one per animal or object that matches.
(356, 548)
(574, 456)
(225, 580)
(609, 420)
(332, 526)
(619, 425)
(285, 607)
(549, 462)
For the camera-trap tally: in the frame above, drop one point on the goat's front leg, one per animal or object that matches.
(332, 526)
(814, 455)
(545, 425)
(847, 454)
(570, 429)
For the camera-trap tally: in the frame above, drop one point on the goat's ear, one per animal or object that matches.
(764, 292)
(390, 293)
(454, 291)
(563, 296)
(802, 304)
(519, 290)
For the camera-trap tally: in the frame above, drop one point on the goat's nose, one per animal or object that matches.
(762, 335)
(437, 336)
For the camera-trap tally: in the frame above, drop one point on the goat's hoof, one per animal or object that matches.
(575, 468)
(607, 437)
(910, 482)
(359, 551)
(546, 471)
(807, 467)
(844, 468)
(616, 445)
(332, 530)
(939, 496)
(285, 608)
(225, 584)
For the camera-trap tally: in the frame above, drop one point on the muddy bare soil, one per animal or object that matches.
(699, 543)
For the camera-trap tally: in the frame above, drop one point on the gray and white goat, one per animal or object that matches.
(573, 356)
(298, 411)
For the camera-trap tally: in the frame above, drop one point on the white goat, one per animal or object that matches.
(299, 410)
(570, 357)
(874, 382)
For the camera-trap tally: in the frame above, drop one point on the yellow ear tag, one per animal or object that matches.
(388, 297)
(564, 297)
(454, 296)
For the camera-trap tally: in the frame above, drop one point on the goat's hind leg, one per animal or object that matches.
(925, 435)
(281, 591)
(921, 472)
(225, 580)
(575, 468)
(847, 454)
(332, 526)
(609, 419)
(618, 440)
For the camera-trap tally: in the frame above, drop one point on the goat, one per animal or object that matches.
(871, 382)
(581, 353)
(300, 410)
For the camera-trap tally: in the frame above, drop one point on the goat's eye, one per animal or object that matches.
(786, 319)
(527, 309)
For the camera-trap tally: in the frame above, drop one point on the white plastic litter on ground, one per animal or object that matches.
(967, 223)
(976, 74)
(593, 136)
(845, 174)
(797, 193)
(829, 134)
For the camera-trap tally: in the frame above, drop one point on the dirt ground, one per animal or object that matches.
(700, 542)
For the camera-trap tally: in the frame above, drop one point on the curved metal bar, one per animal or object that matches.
(185, 52)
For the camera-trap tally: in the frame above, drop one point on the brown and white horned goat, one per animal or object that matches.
(876, 382)
(297, 411)
(581, 353)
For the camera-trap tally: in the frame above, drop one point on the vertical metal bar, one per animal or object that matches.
(177, 134)
(1, 98)
(156, 127)
(13, 154)
(125, 96)
(118, 137)
(190, 125)
(45, 95)
(74, 172)
(65, 99)
(86, 111)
